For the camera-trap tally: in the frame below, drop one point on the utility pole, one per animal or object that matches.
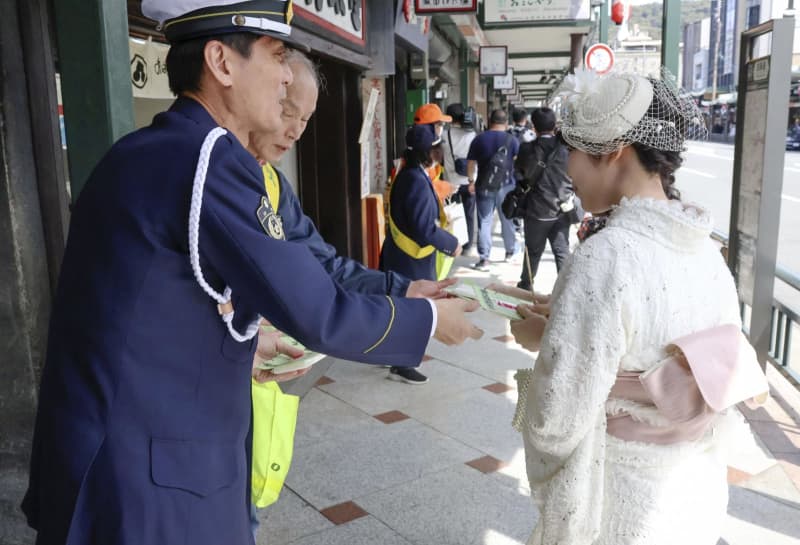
(715, 70)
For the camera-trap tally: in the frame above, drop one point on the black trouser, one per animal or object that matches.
(537, 233)
(468, 201)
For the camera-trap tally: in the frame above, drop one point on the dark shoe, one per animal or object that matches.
(524, 285)
(482, 265)
(409, 375)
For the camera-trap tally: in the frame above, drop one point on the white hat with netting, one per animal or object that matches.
(601, 114)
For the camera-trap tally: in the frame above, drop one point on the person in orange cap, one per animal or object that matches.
(431, 114)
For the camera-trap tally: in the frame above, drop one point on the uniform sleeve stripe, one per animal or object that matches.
(388, 328)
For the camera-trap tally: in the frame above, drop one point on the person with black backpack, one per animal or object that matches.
(490, 162)
(550, 206)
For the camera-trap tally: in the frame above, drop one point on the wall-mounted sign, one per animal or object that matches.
(445, 6)
(345, 18)
(149, 69)
(511, 91)
(493, 60)
(504, 82)
(600, 58)
(509, 11)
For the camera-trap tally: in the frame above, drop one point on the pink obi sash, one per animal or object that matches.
(705, 373)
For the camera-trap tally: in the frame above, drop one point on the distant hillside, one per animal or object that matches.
(648, 17)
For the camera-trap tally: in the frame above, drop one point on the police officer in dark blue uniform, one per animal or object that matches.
(173, 255)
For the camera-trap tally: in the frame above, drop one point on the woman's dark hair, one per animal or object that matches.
(667, 108)
(415, 158)
(663, 163)
(185, 59)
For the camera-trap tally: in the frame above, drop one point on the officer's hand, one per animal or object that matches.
(528, 331)
(429, 288)
(458, 250)
(453, 327)
(264, 375)
(269, 346)
(471, 188)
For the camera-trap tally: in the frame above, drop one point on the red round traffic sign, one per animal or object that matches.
(600, 58)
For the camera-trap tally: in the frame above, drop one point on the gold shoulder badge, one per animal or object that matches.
(269, 220)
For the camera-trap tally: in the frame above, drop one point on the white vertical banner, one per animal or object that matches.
(372, 136)
(149, 69)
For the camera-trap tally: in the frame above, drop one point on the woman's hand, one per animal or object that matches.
(528, 331)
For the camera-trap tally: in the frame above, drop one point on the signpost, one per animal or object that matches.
(600, 58)
(758, 172)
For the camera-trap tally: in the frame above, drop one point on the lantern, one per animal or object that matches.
(620, 12)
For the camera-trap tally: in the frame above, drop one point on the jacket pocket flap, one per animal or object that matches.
(199, 467)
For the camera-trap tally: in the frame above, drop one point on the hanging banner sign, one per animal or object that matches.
(345, 18)
(504, 82)
(509, 11)
(445, 6)
(149, 69)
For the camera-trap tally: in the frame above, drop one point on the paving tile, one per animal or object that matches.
(391, 417)
(755, 518)
(343, 513)
(323, 417)
(363, 531)
(487, 464)
(736, 476)
(779, 438)
(356, 463)
(790, 463)
(457, 506)
(488, 359)
(377, 395)
(290, 518)
(476, 418)
(773, 410)
(498, 388)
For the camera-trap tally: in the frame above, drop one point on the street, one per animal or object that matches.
(706, 178)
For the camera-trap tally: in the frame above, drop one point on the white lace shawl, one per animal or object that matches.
(651, 276)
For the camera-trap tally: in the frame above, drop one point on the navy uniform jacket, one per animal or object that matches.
(144, 407)
(415, 208)
(351, 274)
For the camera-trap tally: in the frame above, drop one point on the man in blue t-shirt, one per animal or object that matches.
(479, 157)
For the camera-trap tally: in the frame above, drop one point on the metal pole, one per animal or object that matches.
(671, 35)
(602, 23)
(715, 49)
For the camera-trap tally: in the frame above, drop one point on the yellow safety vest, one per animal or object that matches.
(272, 184)
(274, 421)
(274, 413)
(405, 243)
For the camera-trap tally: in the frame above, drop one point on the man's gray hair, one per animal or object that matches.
(294, 56)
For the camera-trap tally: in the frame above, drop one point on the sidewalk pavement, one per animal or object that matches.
(383, 462)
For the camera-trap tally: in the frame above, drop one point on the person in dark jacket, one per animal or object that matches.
(550, 198)
(414, 236)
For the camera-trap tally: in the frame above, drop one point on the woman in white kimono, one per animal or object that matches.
(650, 276)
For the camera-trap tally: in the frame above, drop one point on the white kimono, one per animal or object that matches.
(650, 276)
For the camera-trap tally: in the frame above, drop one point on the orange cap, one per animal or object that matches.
(430, 113)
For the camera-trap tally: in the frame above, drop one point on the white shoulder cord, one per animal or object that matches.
(224, 306)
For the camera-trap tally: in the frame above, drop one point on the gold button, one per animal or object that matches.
(239, 20)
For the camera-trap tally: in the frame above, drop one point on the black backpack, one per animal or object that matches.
(496, 172)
